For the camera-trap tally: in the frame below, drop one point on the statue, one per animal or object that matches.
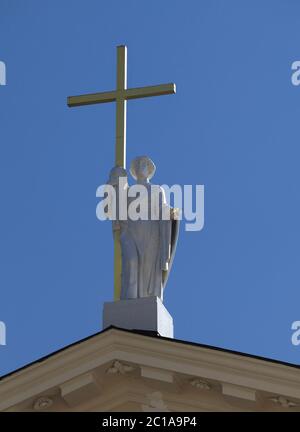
(143, 248)
(148, 244)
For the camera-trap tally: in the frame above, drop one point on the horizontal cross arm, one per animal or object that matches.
(91, 98)
(158, 90)
(133, 93)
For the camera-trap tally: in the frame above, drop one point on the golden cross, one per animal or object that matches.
(120, 96)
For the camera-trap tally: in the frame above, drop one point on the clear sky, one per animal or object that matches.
(233, 126)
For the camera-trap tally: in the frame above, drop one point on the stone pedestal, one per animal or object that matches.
(146, 313)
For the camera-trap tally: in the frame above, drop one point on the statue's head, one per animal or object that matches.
(142, 168)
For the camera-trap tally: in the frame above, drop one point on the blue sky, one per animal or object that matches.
(233, 126)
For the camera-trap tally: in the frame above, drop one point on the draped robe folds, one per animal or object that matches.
(147, 247)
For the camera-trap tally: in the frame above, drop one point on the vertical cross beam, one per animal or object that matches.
(121, 106)
(120, 152)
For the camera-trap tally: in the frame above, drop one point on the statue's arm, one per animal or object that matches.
(171, 212)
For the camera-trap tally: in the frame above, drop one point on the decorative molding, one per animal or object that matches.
(155, 403)
(119, 368)
(283, 402)
(42, 403)
(203, 385)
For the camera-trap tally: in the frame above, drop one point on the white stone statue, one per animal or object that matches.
(148, 246)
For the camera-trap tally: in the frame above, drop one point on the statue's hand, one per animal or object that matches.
(165, 266)
(114, 175)
(175, 213)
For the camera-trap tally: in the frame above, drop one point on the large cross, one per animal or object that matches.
(120, 96)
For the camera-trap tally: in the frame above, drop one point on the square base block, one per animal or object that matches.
(146, 313)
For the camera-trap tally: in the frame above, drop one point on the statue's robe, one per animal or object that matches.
(148, 248)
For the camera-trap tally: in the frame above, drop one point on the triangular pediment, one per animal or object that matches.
(121, 370)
